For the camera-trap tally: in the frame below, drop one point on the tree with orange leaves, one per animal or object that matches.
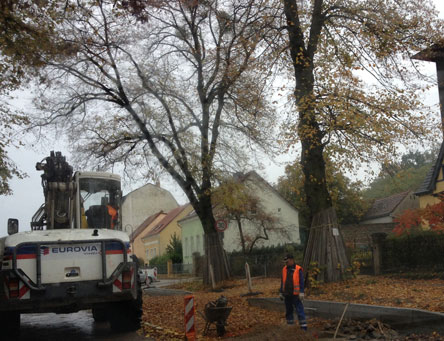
(431, 216)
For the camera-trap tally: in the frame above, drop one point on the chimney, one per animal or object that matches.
(435, 54)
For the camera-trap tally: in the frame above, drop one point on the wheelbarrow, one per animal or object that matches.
(216, 312)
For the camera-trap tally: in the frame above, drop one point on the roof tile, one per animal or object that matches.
(165, 221)
(384, 206)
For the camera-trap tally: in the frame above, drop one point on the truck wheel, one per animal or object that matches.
(149, 280)
(10, 325)
(127, 316)
(100, 314)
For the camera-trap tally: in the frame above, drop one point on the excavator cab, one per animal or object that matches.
(83, 200)
(99, 195)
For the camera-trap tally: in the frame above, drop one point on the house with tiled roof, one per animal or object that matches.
(433, 184)
(156, 240)
(136, 236)
(284, 231)
(144, 202)
(385, 210)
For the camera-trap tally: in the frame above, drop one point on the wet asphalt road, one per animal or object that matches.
(67, 327)
(81, 325)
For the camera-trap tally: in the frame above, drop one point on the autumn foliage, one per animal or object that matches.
(413, 219)
(163, 315)
(410, 219)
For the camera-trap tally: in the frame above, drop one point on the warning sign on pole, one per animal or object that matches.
(221, 225)
(190, 330)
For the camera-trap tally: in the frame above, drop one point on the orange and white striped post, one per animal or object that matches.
(190, 330)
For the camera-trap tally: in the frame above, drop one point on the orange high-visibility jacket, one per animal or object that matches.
(296, 279)
(113, 213)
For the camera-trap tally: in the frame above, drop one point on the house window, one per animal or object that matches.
(154, 252)
(198, 244)
(279, 209)
(185, 247)
(192, 245)
(147, 254)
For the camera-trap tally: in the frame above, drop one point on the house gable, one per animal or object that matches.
(160, 234)
(144, 202)
(136, 236)
(273, 203)
(385, 209)
(145, 224)
(433, 177)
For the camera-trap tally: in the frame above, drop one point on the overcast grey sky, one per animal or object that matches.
(28, 193)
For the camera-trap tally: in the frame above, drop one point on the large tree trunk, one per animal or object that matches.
(325, 248)
(215, 257)
(313, 164)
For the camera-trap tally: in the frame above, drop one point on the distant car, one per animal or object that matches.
(142, 275)
(148, 276)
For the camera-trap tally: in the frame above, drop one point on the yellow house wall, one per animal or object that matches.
(161, 240)
(429, 199)
(150, 243)
(172, 227)
(138, 244)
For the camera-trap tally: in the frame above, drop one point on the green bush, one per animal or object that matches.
(423, 250)
(160, 260)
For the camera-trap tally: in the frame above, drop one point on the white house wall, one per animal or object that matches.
(193, 234)
(380, 220)
(191, 244)
(274, 205)
(144, 202)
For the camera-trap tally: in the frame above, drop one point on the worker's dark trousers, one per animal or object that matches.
(291, 301)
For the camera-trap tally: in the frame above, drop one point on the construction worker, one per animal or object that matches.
(113, 215)
(292, 291)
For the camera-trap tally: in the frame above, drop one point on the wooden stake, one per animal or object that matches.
(247, 274)
(340, 321)
(213, 282)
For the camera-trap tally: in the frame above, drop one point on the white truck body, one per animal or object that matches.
(66, 270)
(81, 261)
(58, 258)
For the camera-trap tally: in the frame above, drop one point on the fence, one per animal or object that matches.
(419, 251)
(181, 269)
(162, 269)
(422, 251)
(263, 264)
(358, 237)
(177, 269)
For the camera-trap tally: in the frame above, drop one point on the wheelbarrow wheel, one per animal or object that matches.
(220, 328)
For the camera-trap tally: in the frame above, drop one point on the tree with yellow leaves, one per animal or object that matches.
(356, 87)
(25, 41)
